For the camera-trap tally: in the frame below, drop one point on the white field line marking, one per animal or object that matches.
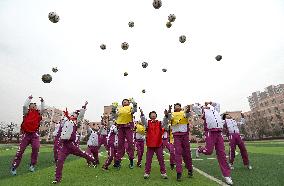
(211, 158)
(207, 175)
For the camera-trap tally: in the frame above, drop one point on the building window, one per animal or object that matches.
(276, 108)
(269, 110)
(282, 110)
(273, 101)
(281, 101)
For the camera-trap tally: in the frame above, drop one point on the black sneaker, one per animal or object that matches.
(139, 165)
(117, 164)
(131, 166)
(172, 166)
(178, 176)
(105, 168)
(190, 173)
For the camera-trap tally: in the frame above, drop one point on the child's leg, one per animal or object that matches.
(35, 148)
(149, 156)
(95, 152)
(172, 154)
(111, 155)
(160, 157)
(186, 152)
(121, 142)
(25, 141)
(232, 148)
(178, 152)
(89, 152)
(243, 150)
(221, 155)
(62, 155)
(56, 148)
(75, 150)
(209, 144)
(105, 142)
(140, 149)
(129, 137)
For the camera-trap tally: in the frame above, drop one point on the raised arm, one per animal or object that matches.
(26, 105)
(42, 105)
(187, 113)
(82, 112)
(143, 118)
(134, 109)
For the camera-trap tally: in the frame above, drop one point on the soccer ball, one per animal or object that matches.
(125, 74)
(157, 4)
(131, 24)
(124, 46)
(143, 91)
(182, 38)
(172, 18)
(218, 58)
(103, 46)
(144, 64)
(54, 69)
(164, 70)
(169, 24)
(46, 78)
(53, 17)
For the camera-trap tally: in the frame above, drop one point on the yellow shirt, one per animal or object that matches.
(178, 118)
(140, 129)
(124, 115)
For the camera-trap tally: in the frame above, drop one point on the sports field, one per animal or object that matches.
(267, 159)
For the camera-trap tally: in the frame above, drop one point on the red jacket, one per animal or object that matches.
(31, 121)
(154, 134)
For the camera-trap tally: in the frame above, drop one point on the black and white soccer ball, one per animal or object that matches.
(46, 78)
(125, 74)
(124, 46)
(54, 69)
(53, 17)
(172, 18)
(169, 24)
(164, 70)
(143, 91)
(103, 46)
(218, 57)
(131, 24)
(157, 4)
(144, 64)
(182, 38)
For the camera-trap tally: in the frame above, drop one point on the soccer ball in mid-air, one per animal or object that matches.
(164, 70)
(157, 4)
(144, 64)
(125, 74)
(53, 17)
(172, 18)
(182, 38)
(103, 46)
(169, 24)
(124, 46)
(54, 69)
(46, 78)
(218, 58)
(131, 24)
(143, 91)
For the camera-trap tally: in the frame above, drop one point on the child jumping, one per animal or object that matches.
(154, 142)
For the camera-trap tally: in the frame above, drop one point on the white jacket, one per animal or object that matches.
(93, 139)
(212, 117)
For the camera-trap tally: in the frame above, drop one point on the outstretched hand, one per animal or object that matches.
(30, 97)
(141, 111)
(170, 109)
(41, 99)
(166, 113)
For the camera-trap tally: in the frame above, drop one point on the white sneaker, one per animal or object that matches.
(228, 180)
(249, 167)
(32, 168)
(231, 166)
(197, 153)
(13, 171)
(146, 176)
(54, 182)
(164, 176)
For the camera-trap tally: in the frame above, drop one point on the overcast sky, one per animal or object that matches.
(249, 34)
